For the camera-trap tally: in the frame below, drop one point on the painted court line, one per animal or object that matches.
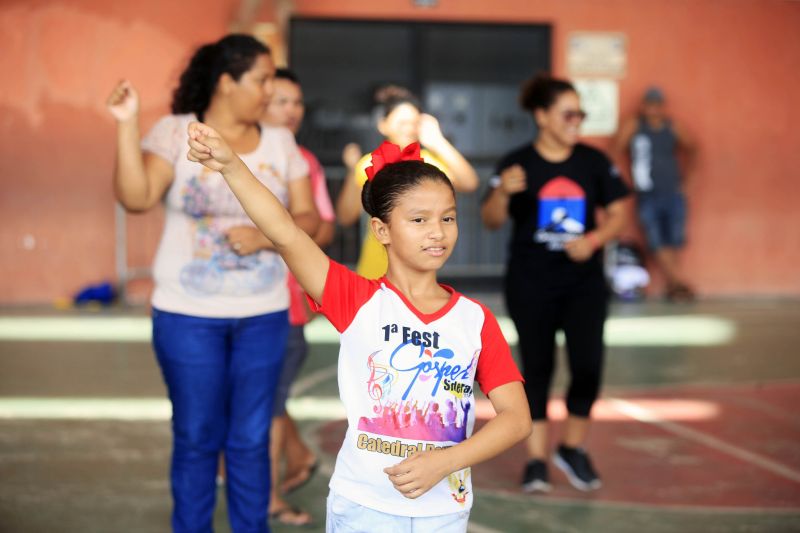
(141, 409)
(313, 379)
(125, 409)
(676, 330)
(506, 495)
(647, 416)
(769, 409)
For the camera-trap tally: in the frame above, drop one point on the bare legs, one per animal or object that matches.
(668, 261)
(300, 460)
(287, 446)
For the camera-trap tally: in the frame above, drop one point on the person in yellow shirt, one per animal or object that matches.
(402, 122)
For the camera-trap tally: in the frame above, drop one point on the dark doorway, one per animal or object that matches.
(467, 76)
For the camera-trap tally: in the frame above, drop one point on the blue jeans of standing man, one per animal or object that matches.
(221, 375)
(663, 218)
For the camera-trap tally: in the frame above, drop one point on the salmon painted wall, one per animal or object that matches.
(728, 67)
(60, 59)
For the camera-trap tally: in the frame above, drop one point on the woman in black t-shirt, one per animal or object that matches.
(551, 189)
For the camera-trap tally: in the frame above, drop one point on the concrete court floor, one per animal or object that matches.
(698, 430)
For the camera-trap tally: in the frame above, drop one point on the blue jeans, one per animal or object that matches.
(663, 218)
(221, 375)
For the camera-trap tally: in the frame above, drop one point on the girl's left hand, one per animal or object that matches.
(207, 147)
(416, 475)
(246, 240)
(580, 250)
(430, 134)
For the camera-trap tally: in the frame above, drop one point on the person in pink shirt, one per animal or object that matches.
(286, 109)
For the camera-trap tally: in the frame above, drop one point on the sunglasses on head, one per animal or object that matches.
(572, 114)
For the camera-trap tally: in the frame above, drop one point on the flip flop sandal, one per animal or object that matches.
(290, 516)
(680, 294)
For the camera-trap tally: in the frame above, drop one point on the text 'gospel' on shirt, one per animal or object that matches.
(407, 383)
(196, 271)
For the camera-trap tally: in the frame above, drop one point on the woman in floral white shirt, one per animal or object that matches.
(220, 300)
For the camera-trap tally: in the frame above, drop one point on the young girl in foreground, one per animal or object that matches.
(410, 348)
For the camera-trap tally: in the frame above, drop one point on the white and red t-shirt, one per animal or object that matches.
(406, 381)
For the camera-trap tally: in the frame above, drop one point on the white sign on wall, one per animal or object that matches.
(597, 54)
(600, 100)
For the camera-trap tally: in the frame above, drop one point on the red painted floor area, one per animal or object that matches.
(721, 446)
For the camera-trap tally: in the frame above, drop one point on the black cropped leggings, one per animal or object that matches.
(580, 311)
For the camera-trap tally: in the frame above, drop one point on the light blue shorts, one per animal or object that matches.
(345, 516)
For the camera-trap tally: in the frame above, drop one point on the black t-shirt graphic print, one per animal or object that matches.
(558, 206)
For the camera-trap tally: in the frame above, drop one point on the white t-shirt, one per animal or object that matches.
(406, 381)
(196, 271)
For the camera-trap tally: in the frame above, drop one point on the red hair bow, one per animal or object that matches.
(388, 153)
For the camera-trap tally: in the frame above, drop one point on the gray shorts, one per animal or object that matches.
(296, 352)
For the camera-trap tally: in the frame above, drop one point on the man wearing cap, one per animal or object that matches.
(653, 141)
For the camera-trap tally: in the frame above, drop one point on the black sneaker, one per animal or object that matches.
(535, 477)
(575, 463)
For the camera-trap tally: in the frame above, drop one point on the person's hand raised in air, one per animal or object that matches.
(208, 148)
(123, 102)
